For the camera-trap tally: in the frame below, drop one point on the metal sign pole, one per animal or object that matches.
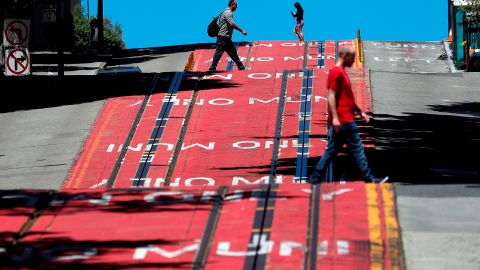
(449, 10)
(100, 24)
(2, 14)
(2, 18)
(61, 64)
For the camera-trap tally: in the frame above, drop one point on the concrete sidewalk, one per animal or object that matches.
(426, 124)
(46, 63)
(46, 119)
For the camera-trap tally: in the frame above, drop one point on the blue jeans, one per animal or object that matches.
(225, 44)
(348, 134)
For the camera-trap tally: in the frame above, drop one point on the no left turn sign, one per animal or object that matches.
(17, 62)
(16, 33)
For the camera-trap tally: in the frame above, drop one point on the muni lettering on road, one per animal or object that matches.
(393, 46)
(210, 146)
(142, 252)
(228, 101)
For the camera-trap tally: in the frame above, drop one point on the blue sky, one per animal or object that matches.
(152, 23)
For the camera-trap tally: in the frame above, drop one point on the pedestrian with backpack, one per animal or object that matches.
(224, 36)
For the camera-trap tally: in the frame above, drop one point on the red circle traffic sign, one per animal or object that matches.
(23, 67)
(10, 27)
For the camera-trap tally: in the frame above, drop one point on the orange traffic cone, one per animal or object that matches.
(450, 35)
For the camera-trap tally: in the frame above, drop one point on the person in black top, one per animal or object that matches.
(299, 26)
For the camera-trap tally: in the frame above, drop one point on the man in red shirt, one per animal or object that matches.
(342, 109)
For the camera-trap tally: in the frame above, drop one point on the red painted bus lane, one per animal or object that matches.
(291, 217)
(204, 57)
(96, 160)
(330, 54)
(232, 237)
(140, 151)
(17, 210)
(343, 227)
(221, 143)
(95, 164)
(277, 56)
(150, 229)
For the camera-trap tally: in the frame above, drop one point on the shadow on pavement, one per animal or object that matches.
(38, 92)
(422, 148)
(135, 56)
(72, 245)
(103, 229)
(52, 252)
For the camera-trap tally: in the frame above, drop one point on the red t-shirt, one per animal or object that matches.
(339, 82)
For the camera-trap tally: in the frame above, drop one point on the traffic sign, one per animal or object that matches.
(17, 62)
(16, 33)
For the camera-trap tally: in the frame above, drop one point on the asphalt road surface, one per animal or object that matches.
(427, 135)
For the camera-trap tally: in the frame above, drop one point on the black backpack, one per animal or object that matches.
(213, 27)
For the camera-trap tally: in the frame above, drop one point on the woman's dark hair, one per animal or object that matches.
(231, 2)
(297, 5)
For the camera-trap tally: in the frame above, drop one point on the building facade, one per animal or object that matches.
(465, 28)
(45, 32)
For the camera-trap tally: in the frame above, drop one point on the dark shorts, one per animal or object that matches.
(300, 23)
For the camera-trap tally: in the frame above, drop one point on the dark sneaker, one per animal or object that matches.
(379, 180)
(241, 68)
(315, 178)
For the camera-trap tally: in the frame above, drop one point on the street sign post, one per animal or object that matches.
(16, 33)
(16, 57)
(17, 62)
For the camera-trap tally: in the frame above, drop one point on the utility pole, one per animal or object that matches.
(2, 14)
(100, 24)
(449, 10)
(60, 40)
(88, 10)
(451, 16)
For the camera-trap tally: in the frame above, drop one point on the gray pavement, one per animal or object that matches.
(38, 147)
(159, 59)
(427, 131)
(153, 62)
(70, 69)
(415, 57)
(402, 93)
(441, 231)
(47, 121)
(46, 64)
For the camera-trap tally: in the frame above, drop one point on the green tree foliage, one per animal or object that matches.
(113, 35)
(81, 28)
(472, 11)
(82, 32)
